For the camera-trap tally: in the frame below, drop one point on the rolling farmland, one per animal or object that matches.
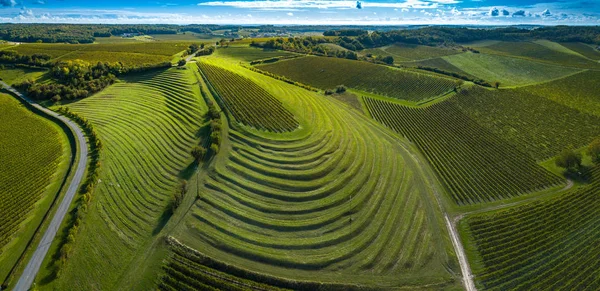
(529, 121)
(319, 205)
(506, 70)
(475, 165)
(34, 155)
(248, 54)
(410, 52)
(248, 103)
(544, 245)
(327, 73)
(147, 125)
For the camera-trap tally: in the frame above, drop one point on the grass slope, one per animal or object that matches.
(147, 126)
(586, 50)
(475, 165)
(544, 51)
(34, 161)
(544, 245)
(248, 54)
(341, 201)
(17, 75)
(533, 124)
(506, 70)
(579, 91)
(327, 73)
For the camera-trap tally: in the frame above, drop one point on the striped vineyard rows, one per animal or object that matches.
(327, 73)
(475, 165)
(31, 151)
(544, 245)
(249, 104)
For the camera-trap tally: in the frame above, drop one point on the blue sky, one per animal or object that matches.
(375, 12)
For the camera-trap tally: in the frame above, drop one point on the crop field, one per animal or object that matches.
(32, 151)
(506, 70)
(337, 204)
(327, 73)
(527, 121)
(148, 125)
(537, 51)
(475, 165)
(17, 75)
(249, 104)
(579, 91)
(411, 52)
(248, 54)
(586, 50)
(544, 245)
(439, 63)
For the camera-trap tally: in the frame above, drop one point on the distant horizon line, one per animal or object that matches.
(292, 24)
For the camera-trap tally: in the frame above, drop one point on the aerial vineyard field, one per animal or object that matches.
(439, 63)
(506, 70)
(250, 104)
(31, 148)
(475, 165)
(586, 50)
(341, 203)
(248, 54)
(529, 122)
(327, 73)
(539, 52)
(579, 91)
(148, 125)
(413, 52)
(543, 245)
(127, 59)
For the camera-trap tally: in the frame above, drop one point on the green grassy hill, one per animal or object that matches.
(35, 158)
(148, 125)
(327, 73)
(340, 202)
(248, 54)
(543, 245)
(403, 52)
(506, 70)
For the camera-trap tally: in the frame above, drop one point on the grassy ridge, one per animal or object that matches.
(506, 70)
(475, 165)
(586, 50)
(148, 125)
(340, 202)
(579, 91)
(32, 149)
(412, 52)
(248, 54)
(544, 245)
(326, 73)
(528, 121)
(248, 103)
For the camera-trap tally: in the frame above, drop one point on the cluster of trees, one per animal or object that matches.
(201, 152)
(13, 57)
(346, 32)
(306, 45)
(571, 160)
(85, 191)
(79, 79)
(338, 90)
(480, 82)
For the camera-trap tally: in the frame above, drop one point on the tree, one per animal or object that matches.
(198, 153)
(569, 159)
(593, 151)
(214, 148)
(179, 194)
(496, 84)
(340, 89)
(388, 60)
(181, 63)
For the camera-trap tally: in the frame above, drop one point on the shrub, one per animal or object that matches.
(181, 63)
(388, 60)
(328, 92)
(340, 89)
(569, 159)
(593, 150)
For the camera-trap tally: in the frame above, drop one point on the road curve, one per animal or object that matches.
(34, 264)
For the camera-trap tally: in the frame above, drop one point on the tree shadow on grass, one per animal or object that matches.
(163, 219)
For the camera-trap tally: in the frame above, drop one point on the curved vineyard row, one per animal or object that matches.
(528, 121)
(475, 165)
(544, 245)
(327, 73)
(148, 125)
(343, 203)
(31, 150)
(249, 104)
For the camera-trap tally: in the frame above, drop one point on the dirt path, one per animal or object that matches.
(34, 264)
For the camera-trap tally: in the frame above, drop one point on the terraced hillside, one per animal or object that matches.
(507, 70)
(148, 126)
(249, 104)
(342, 202)
(34, 153)
(475, 165)
(327, 73)
(579, 91)
(545, 245)
(528, 121)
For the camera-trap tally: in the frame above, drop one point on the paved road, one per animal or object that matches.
(34, 264)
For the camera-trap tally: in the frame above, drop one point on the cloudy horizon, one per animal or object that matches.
(305, 12)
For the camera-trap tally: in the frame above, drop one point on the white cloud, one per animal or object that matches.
(546, 13)
(331, 4)
(290, 14)
(8, 3)
(404, 10)
(494, 12)
(505, 12)
(519, 13)
(455, 12)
